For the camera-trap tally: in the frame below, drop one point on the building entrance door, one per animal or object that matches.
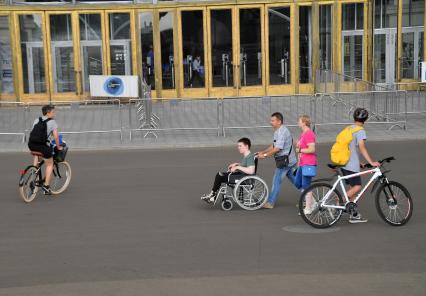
(384, 56)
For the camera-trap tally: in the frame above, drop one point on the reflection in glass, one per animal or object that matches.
(32, 53)
(167, 52)
(325, 36)
(305, 44)
(90, 47)
(353, 40)
(385, 23)
(353, 56)
(221, 38)
(6, 74)
(120, 44)
(412, 41)
(193, 48)
(380, 57)
(147, 46)
(386, 14)
(62, 53)
(250, 47)
(279, 45)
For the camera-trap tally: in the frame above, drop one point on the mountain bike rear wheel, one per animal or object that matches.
(310, 205)
(28, 186)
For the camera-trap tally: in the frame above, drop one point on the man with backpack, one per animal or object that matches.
(44, 128)
(350, 144)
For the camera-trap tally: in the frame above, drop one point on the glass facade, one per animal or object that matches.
(62, 53)
(167, 50)
(222, 48)
(385, 40)
(32, 53)
(305, 44)
(120, 44)
(250, 47)
(412, 38)
(147, 47)
(279, 45)
(353, 40)
(6, 69)
(235, 49)
(325, 36)
(91, 46)
(193, 49)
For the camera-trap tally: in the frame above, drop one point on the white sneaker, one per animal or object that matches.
(308, 211)
(210, 197)
(357, 219)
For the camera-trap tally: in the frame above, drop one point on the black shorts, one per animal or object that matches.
(43, 149)
(352, 181)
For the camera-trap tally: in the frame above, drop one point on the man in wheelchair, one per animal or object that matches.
(235, 170)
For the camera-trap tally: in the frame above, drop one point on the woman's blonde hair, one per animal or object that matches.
(306, 120)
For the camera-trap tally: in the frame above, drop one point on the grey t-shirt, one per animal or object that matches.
(353, 164)
(51, 125)
(283, 140)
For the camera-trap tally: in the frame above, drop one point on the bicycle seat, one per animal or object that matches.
(334, 166)
(36, 153)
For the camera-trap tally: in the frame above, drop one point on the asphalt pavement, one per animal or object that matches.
(132, 223)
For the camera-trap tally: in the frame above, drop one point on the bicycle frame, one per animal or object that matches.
(376, 174)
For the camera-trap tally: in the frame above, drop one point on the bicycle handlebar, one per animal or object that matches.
(387, 159)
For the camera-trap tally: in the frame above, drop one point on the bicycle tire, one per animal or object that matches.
(320, 214)
(61, 181)
(382, 204)
(27, 184)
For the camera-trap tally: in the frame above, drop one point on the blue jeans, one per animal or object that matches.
(300, 181)
(278, 180)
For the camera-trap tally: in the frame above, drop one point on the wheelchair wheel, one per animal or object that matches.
(227, 205)
(251, 193)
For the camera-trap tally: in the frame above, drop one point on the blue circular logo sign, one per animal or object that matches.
(114, 86)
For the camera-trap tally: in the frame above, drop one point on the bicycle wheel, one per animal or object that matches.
(61, 177)
(251, 193)
(394, 203)
(311, 211)
(28, 186)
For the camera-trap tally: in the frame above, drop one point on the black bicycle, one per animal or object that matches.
(32, 178)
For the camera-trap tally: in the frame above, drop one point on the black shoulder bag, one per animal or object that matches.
(283, 160)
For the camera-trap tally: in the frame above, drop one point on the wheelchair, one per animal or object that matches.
(250, 192)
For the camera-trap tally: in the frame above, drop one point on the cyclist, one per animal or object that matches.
(357, 147)
(246, 167)
(44, 129)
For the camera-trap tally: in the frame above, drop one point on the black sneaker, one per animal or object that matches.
(46, 189)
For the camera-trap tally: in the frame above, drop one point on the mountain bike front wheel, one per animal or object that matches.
(394, 203)
(61, 177)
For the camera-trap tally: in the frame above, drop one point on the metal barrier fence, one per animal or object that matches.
(255, 112)
(209, 116)
(174, 114)
(84, 117)
(327, 81)
(12, 119)
(385, 107)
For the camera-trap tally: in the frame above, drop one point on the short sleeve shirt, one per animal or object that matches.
(353, 164)
(248, 160)
(306, 138)
(51, 125)
(284, 141)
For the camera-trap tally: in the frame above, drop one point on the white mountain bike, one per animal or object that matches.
(393, 201)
